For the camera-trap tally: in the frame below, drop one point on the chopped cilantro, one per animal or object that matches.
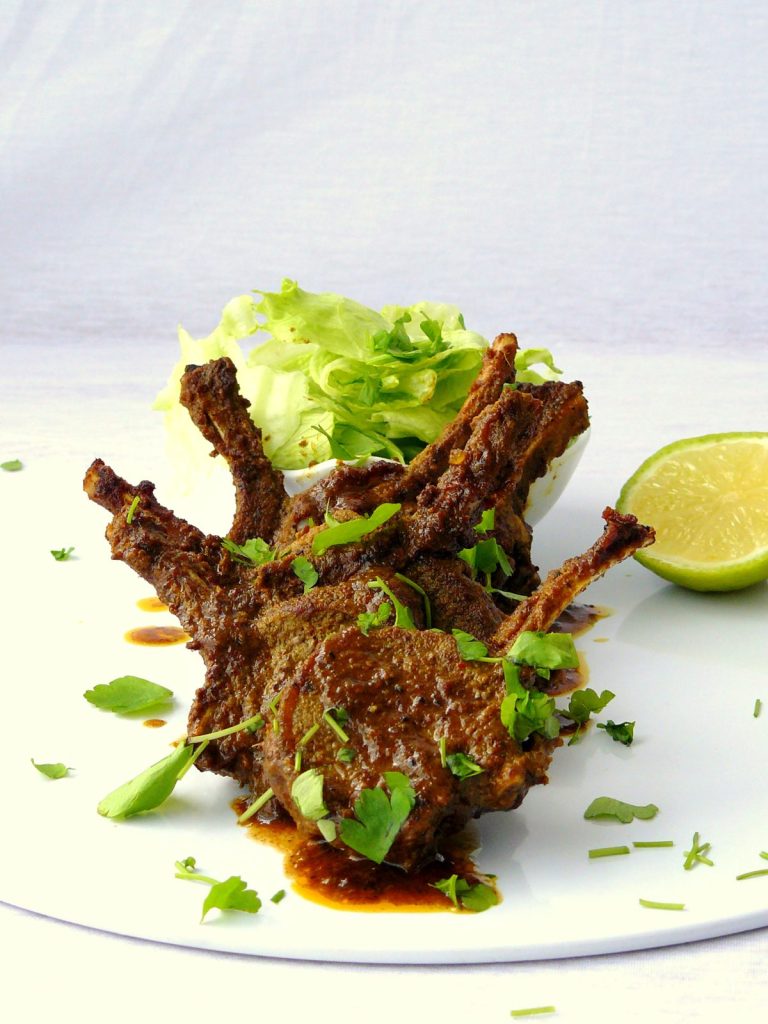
(752, 874)
(252, 724)
(653, 845)
(307, 794)
(256, 806)
(462, 766)
(378, 817)
(367, 621)
(346, 755)
(278, 897)
(403, 615)
(523, 711)
(584, 703)
(608, 851)
(477, 897)
(306, 572)
(487, 521)
(62, 554)
(697, 853)
(621, 732)
(129, 515)
(531, 1011)
(52, 771)
(353, 529)
(655, 905)
(336, 718)
(12, 465)
(151, 787)
(127, 694)
(609, 807)
(254, 552)
(424, 597)
(470, 649)
(544, 651)
(757, 708)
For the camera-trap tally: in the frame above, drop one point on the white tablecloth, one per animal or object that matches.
(590, 175)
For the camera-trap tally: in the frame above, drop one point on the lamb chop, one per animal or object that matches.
(292, 654)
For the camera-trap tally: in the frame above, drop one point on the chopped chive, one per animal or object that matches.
(752, 874)
(330, 720)
(255, 722)
(309, 734)
(757, 709)
(132, 509)
(608, 851)
(764, 855)
(654, 905)
(696, 854)
(531, 1011)
(647, 845)
(297, 761)
(257, 804)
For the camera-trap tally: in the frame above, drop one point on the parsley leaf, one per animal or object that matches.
(52, 771)
(378, 818)
(306, 572)
(150, 788)
(403, 615)
(621, 732)
(372, 620)
(231, 894)
(476, 897)
(307, 794)
(12, 465)
(469, 648)
(609, 807)
(462, 766)
(127, 694)
(254, 552)
(62, 554)
(353, 529)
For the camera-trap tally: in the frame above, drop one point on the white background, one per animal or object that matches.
(590, 175)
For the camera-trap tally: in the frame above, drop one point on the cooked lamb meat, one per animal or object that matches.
(274, 650)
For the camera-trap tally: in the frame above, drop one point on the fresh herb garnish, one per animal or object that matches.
(609, 807)
(584, 703)
(278, 897)
(12, 465)
(477, 897)
(653, 845)
(469, 648)
(256, 806)
(132, 509)
(697, 853)
(367, 621)
(621, 732)
(757, 708)
(346, 755)
(523, 711)
(485, 558)
(151, 787)
(761, 872)
(231, 894)
(254, 552)
(544, 651)
(462, 766)
(307, 794)
(607, 851)
(353, 529)
(336, 718)
(62, 554)
(487, 521)
(531, 1011)
(403, 615)
(252, 724)
(127, 694)
(56, 770)
(306, 572)
(655, 905)
(378, 817)
(423, 594)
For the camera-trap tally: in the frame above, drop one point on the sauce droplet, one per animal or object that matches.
(155, 723)
(151, 604)
(157, 636)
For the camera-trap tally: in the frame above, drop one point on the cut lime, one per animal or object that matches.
(707, 499)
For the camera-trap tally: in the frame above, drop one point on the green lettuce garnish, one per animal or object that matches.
(337, 377)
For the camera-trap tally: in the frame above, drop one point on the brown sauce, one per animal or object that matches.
(151, 604)
(578, 618)
(154, 723)
(157, 636)
(322, 874)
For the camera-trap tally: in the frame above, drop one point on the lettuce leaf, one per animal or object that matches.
(336, 376)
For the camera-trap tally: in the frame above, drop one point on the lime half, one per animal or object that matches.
(707, 499)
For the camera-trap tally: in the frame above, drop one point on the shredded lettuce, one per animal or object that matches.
(337, 379)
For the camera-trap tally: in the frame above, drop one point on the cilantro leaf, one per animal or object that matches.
(469, 648)
(150, 788)
(52, 771)
(544, 651)
(372, 620)
(353, 529)
(306, 572)
(378, 818)
(462, 766)
(128, 693)
(476, 897)
(403, 615)
(486, 557)
(231, 894)
(422, 593)
(621, 732)
(62, 554)
(487, 521)
(586, 702)
(12, 465)
(254, 552)
(307, 794)
(524, 711)
(610, 807)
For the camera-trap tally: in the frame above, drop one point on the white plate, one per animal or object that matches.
(686, 667)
